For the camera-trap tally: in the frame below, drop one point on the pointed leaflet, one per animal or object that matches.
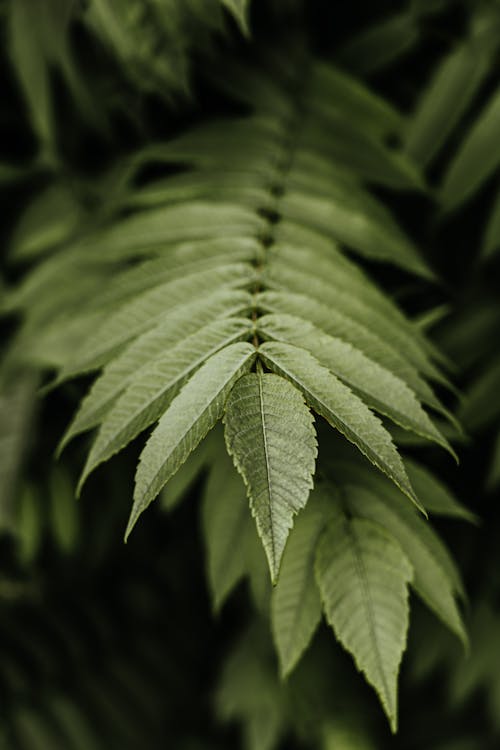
(239, 9)
(185, 222)
(270, 435)
(349, 470)
(424, 549)
(446, 99)
(369, 236)
(131, 363)
(477, 159)
(374, 48)
(295, 602)
(283, 277)
(333, 88)
(326, 263)
(144, 311)
(363, 577)
(436, 498)
(226, 520)
(335, 402)
(381, 389)
(31, 65)
(337, 324)
(190, 416)
(143, 402)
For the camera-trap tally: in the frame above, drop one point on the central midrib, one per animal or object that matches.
(277, 182)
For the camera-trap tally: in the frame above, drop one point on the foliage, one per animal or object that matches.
(243, 304)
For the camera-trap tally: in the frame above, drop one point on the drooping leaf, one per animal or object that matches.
(249, 691)
(64, 516)
(481, 406)
(239, 9)
(429, 558)
(30, 62)
(29, 524)
(270, 435)
(339, 324)
(50, 219)
(295, 603)
(330, 398)
(363, 576)
(195, 410)
(17, 405)
(147, 309)
(436, 498)
(377, 386)
(380, 45)
(226, 521)
(147, 397)
(477, 159)
(446, 99)
(129, 365)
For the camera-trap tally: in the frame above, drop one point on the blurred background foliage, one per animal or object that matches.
(105, 645)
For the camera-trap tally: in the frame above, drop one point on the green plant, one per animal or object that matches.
(223, 271)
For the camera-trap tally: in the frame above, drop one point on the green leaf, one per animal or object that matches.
(239, 9)
(285, 278)
(159, 227)
(477, 159)
(334, 401)
(446, 99)
(249, 691)
(358, 103)
(270, 435)
(363, 577)
(149, 308)
(338, 324)
(491, 242)
(176, 489)
(481, 406)
(147, 397)
(50, 219)
(78, 731)
(429, 558)
(31, 65)
(344, 733)
(226, 522)
(17, 404)
(295, 602)
(191, 415)
(30, 524)
(436, 498)
(381, 44)
(36, 731)
(378, 387)
(374, 237)
(130, 364)
(493, 479)
(64, 515)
